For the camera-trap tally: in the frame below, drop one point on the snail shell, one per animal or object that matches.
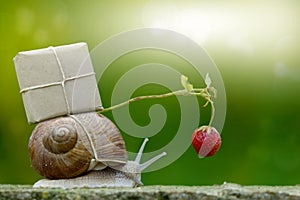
(67, 147)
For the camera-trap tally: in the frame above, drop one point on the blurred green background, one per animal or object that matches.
(255, 45)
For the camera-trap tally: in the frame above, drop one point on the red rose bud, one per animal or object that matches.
(206, 141)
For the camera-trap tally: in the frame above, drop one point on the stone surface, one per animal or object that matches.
(225, 191)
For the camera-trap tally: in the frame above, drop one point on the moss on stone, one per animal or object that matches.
(225, 191)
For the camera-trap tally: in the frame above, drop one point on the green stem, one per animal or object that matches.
(159, 96)
(199, 89)
(203, 92)
(212, 113)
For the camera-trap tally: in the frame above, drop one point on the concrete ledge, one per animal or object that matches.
(225, 191)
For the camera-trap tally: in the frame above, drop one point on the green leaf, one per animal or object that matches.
(213, 91)
(207, 80)
(185, 83)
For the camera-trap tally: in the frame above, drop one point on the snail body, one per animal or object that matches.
(83, 150)
(94, 179)
(128, 175)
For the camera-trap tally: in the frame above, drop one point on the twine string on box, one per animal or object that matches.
(62, 83)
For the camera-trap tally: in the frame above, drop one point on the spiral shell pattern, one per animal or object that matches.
(64, 147)
(61, 139)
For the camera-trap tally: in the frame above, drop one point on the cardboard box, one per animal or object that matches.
(57, 81)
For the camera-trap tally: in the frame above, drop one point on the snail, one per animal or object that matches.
(83, 150)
